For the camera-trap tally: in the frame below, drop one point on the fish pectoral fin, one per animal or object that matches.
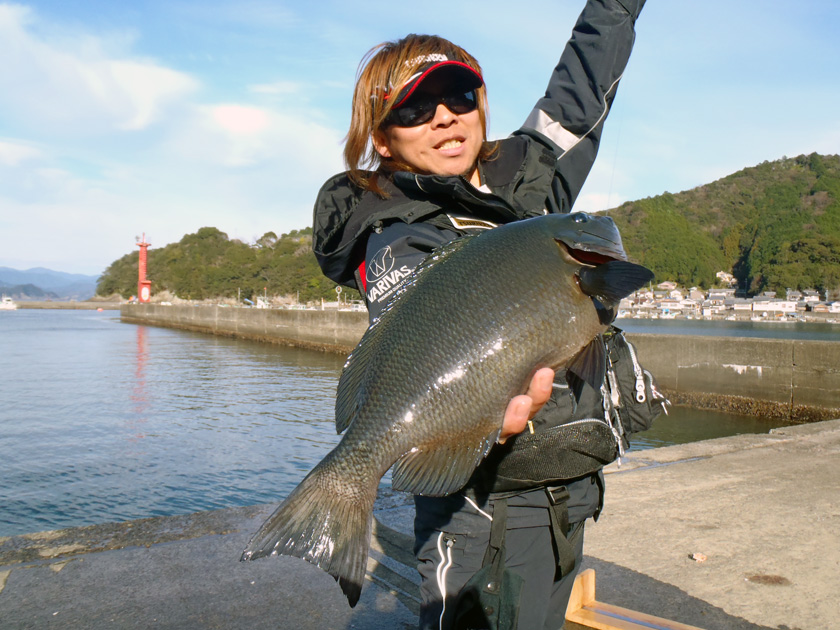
(588, 366)
(614, 280)
(440, 469)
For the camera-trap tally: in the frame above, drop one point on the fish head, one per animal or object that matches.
(591, 247)
(590, 238)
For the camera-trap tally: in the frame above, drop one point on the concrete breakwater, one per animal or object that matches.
(332, 331)
(769, 377)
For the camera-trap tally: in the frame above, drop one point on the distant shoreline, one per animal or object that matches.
(809, 318)
(806, 318)
(82, 306)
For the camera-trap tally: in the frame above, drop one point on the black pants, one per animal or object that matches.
(449, 555)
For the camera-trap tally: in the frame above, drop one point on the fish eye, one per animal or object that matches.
(580, 217)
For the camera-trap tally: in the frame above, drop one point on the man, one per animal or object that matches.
(419, 125)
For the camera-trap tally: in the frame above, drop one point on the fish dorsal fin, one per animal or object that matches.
(589, 366)
(351, 384)
(613, 280)
(443, 468)
(443, 252)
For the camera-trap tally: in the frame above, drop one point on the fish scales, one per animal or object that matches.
(429, 382)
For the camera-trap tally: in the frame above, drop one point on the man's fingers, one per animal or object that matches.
(522, 408)
(540, 389)
(516, 417)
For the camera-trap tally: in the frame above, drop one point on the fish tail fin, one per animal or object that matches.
(324, 522)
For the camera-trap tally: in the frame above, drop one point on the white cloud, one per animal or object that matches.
(14, 153)
(141, 90)
(237, 135)
(76, 84)
(240, 120)
(74, 192)
(242, 169)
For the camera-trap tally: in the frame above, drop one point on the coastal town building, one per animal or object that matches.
(668, 301)
(772, 305)
(696, 294)
(726, 278)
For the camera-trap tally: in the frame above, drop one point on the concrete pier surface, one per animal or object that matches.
(737, 533)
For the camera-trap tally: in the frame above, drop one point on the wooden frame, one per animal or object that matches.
(586, 611)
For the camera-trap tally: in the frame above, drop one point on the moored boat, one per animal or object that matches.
(7, 304)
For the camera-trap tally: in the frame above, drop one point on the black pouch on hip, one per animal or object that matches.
(490, 599)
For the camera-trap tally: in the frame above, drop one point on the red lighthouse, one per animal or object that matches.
(144, 286)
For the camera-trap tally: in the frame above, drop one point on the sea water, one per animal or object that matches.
(106, 421)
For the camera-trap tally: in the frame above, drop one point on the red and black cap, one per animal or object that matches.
(437, 63)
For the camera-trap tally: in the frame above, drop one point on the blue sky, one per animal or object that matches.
(120, 118)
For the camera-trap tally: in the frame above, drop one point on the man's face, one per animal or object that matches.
(448, 144)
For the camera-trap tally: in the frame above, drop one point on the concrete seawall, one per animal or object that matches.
(337, 331)
(775, 377)
(770, 377)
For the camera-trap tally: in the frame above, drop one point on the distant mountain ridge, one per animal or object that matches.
(40, 283)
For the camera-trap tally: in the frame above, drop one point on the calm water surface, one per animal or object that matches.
(104, 421)
(768, 330)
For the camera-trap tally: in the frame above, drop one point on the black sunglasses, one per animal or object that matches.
(421, 108)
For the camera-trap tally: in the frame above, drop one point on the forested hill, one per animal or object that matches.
(774, 226)
(208, 264)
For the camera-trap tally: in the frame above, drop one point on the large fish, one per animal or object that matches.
(429, 382)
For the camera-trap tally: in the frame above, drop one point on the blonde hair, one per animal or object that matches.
(385, 69)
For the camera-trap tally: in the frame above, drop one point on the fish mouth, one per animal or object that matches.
(586, 257)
